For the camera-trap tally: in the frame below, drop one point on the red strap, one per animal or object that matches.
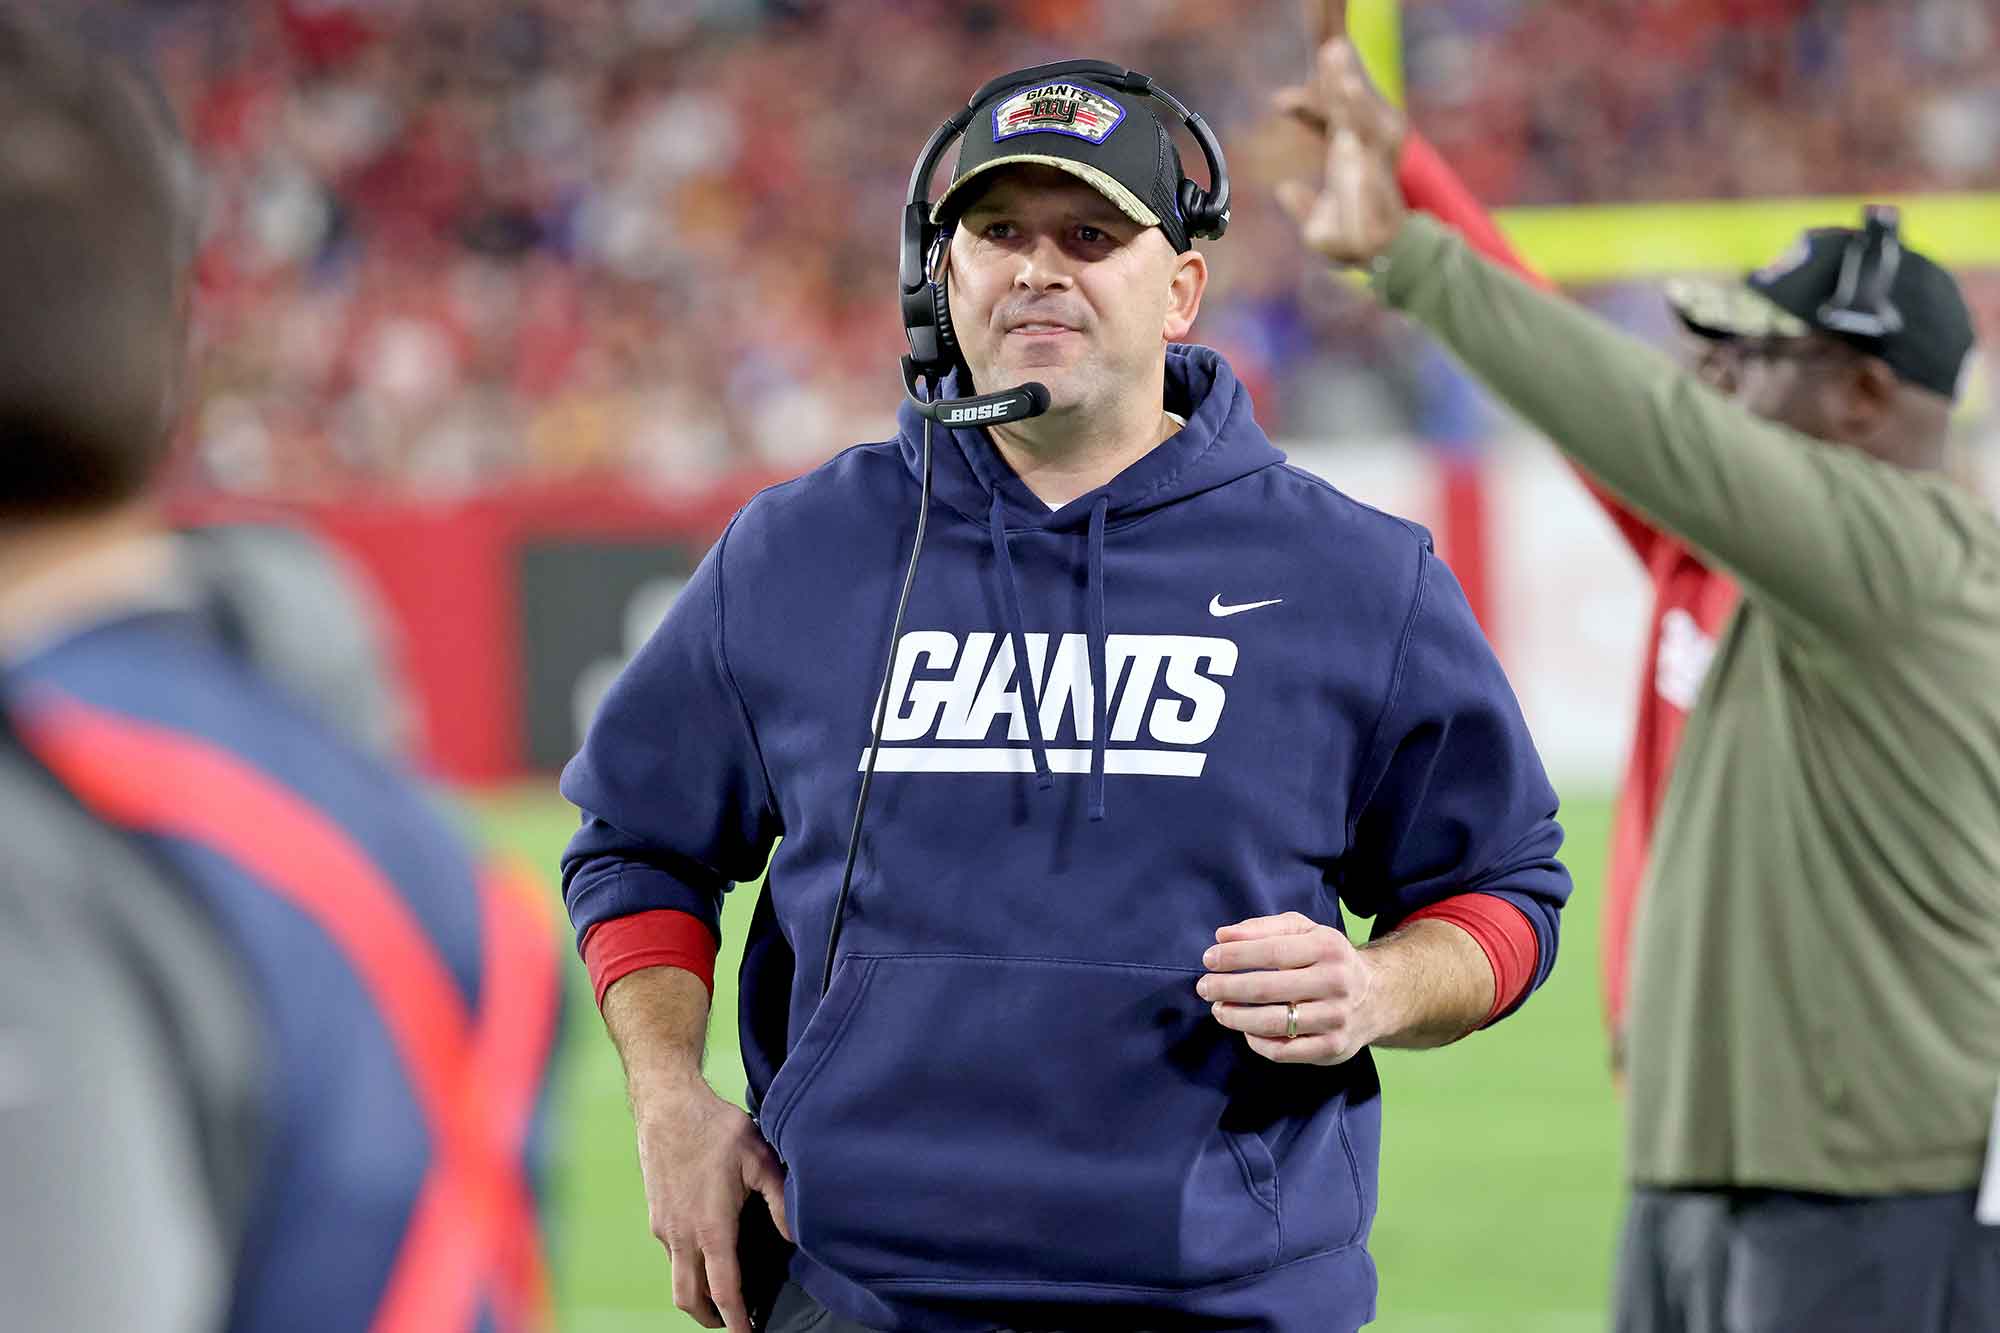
(1504, 934)
(660, 938)
(1429, 183)
(517, 1034)
(473, 1207)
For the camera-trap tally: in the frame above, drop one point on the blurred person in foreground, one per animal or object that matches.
(272, 1046)
(1093, 1050)
(1814, 1026)
(302, 614)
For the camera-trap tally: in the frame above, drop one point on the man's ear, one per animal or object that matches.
(1867, 403)
(1190, 280)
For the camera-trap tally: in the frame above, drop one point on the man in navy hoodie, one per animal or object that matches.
(1094, 1049)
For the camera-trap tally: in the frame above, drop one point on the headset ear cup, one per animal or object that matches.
(1191, 202)
(947, 337)
(1198, 211)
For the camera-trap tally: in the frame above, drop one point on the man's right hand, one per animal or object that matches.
(701, 1157)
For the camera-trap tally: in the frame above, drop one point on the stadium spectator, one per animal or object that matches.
(273, 1049)
(1815, 1014)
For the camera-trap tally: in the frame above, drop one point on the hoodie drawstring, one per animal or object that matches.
(1010, 606)
(1100, 684)
(1031, 704)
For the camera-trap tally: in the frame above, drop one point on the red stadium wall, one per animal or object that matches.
(449, 575)
(500, 603)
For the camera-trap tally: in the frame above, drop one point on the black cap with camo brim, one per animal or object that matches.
(1927, 344)
(1114, 145)
(1720, 311)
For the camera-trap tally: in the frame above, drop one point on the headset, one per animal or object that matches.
(934, 350)
(1860, 305)
(926, 310)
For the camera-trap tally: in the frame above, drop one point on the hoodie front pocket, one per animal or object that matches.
(1022, 1120)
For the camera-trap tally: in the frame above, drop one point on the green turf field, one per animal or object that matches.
(1499, 1188)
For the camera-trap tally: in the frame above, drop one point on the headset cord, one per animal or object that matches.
(881, 708)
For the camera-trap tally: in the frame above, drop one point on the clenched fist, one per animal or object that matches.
(1274, 973)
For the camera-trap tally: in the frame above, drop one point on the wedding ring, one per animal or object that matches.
(1291, 1021)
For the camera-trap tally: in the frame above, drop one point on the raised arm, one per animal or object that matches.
(1429, 185)
(1824, 536)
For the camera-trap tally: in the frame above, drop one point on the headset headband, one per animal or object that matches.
(1860, 304)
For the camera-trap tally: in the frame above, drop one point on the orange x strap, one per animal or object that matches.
(473, 1232)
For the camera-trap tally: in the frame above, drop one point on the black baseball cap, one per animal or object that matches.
(1831, 281)
(1110, 140)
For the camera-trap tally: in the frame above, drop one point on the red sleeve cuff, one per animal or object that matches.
(1504, 934)
(662, 938)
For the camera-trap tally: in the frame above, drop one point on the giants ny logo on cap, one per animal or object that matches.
(1061, 108)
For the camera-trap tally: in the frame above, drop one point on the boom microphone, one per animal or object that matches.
(986, 409)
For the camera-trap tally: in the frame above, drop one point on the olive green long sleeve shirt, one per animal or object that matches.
(1815, 996)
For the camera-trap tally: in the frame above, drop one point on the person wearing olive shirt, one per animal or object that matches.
(1814, 1026)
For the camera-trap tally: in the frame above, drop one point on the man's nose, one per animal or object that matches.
(1044, 267)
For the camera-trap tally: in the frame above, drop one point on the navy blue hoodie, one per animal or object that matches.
(1011, 1107)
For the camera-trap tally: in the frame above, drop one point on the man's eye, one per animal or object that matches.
(998, 231)
(1091, 235)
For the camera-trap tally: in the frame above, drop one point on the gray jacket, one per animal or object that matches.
(129, 1056)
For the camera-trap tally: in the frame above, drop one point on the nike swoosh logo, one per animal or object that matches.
(1216, 608)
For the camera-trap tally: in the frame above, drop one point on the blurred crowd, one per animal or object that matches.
(451, 244)
(1551, 103)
